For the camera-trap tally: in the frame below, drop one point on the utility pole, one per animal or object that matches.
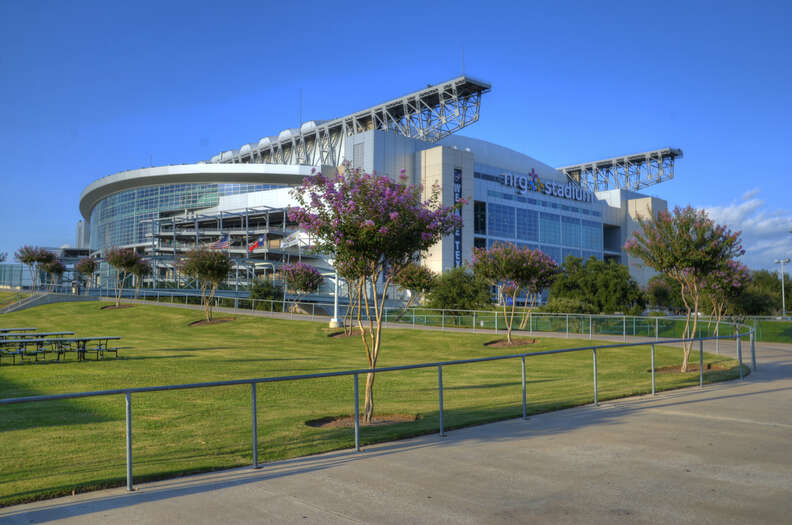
(782, 262)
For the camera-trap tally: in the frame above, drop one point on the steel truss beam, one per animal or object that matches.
(429, 114)
(630, 172)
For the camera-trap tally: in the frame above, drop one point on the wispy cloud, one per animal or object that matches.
(765, 233)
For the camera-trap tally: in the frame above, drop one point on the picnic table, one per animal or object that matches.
(3, 330)
(29, 335)
(58, 345)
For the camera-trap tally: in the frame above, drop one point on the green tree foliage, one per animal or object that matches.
(662, 292)
(459, 289)
(418, 280)
(687, 246)
(514, 271)
(606, 286)
(209, 268)
(762, 296)
(568, 305)
(124, 261)
(264, 290)
(372, 226)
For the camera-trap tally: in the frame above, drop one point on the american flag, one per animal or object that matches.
(222, 244)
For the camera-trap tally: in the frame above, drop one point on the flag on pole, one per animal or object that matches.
(261, 241)
(222, 244)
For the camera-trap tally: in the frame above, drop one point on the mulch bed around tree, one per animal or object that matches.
(114, 307)
(216, 320)
(691, 368)
(349, 421)
(516, 342)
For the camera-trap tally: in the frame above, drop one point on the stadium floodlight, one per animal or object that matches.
(782, 262)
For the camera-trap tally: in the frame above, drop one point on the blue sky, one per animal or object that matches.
(93, 88)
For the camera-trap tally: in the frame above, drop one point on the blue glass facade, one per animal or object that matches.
(119, 220)
(556, 226)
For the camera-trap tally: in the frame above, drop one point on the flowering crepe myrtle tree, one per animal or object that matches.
(723, 285)
(86, 267)
(34, 257)
(55, 270)
(141, 269)
(302, 278)
(210, 268)
(687, 246)
(372, 226)
(124, 261)
(514, 270)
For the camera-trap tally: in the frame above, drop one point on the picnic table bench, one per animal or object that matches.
(58, 345)
(31, 335)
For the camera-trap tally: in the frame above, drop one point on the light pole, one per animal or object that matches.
(782, 262)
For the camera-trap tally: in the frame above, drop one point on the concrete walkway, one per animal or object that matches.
(722, 454)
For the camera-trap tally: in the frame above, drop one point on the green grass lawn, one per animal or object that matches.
(10, 296)
(52, 448)
(773, 331)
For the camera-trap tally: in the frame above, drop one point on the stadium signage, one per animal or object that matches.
(531, 182)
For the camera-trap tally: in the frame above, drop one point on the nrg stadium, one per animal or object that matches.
(239, 197)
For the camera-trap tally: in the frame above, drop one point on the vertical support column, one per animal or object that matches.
(130, 486)
(254, 420)
(590, 327)
(357, 416)
(624, 327)
(657, 328)
(530, 322)
(701, 363)
(440, 397)
(567, 326)
(739, 352)
(524, 405)
(596, 396)
(717, 340)
(474, 321)
(442, 322)
(653, 369)
(753, 349)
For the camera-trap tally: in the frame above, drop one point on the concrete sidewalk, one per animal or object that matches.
(721, 454)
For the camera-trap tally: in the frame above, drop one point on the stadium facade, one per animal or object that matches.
(241, 195)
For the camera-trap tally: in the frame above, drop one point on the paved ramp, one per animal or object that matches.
(718, 455)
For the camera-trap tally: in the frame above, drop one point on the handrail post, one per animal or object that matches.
(567, 326)
(596, 396)
(701, 363)
(657, 326)
(357, 416)
(128, 396)
(624, 327)
(590, 327)
(753, 350)
(653, 369)
(739, 352)
(254, 419)
(717, 340)
(474, 321)
(440, 397)
(524, 407)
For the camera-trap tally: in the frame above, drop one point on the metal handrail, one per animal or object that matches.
(127, 392)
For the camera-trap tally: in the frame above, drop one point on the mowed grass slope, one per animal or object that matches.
(53, 448)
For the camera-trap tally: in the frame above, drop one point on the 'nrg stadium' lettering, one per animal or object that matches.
(531, 182)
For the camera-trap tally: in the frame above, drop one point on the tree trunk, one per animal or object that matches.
(368, 407)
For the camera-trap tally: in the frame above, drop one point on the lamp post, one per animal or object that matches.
(782, 262)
